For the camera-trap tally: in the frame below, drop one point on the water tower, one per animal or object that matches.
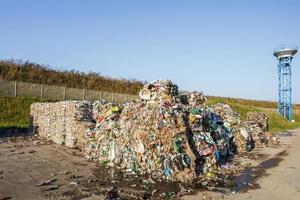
(284, 55)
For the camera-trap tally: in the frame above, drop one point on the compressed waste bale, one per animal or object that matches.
(256, 125)
(243, 139)
(99, 139)
(211, 136)
(247, 134)
(158, 144)
(230, 118)
(48, 121)
(78, 119)
(196, 99)
(141, 138)
(162, 134)
(253, 132)
(258, 118)
(36, 119)
(61, 122)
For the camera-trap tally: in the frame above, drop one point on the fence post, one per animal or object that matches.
(126, 98)
(64, 93)
(42, 91)
(16, 89)
(112, 97)
(100, 95)
(83, 94)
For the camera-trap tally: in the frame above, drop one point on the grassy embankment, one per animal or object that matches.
(14, 112)
(242, 106)
(30, 72)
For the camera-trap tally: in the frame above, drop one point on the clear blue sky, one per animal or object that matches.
(221, 47)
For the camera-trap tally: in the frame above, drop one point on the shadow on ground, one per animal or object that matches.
(14, 131)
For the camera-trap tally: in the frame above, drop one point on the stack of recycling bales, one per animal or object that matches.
(255, 129)
(247, 134)
(210, 136)
(260, 119)
(238, 140)
(160, 135)
(148, 136)
(61, 122)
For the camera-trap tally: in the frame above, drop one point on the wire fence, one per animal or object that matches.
(295, 112)
(58, 93)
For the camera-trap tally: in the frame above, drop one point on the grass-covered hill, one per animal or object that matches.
(37, 73)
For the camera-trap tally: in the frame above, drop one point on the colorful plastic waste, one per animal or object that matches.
(163, 134)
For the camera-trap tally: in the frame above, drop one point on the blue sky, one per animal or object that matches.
(222, 48)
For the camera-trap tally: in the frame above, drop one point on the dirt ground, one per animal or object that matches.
(276, 178)
(33, 169)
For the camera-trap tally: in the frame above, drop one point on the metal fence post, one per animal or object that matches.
(100, 95)
(64, 93)
(42, 91)
(112, 97)
(83, 94)
(16, 88)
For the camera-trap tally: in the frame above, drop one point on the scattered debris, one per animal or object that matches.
(47, 182)
(50, 187)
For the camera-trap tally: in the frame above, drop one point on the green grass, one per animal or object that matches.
(276, 122)
(14, 112)
(247, 102)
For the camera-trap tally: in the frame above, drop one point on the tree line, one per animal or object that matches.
(43, 74)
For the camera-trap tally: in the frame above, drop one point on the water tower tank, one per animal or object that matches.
(285, 51)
